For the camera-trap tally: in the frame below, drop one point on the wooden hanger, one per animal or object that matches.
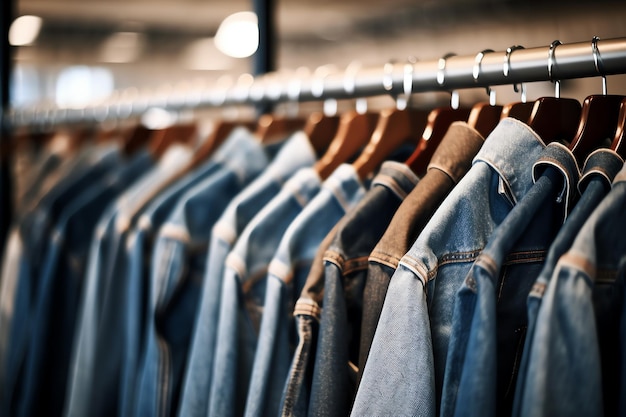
(555, 118)
(518, 110)
(218, 135)
(272, 127)
(321, 129)
(598, 122)
(354, 131)
(619, 141)
(484, 117)
(135, 138)
(394, 128)
(161, 139)
(439, 120)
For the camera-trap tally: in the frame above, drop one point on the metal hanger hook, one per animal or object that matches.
(349, 85)
(441, 68)
(506, 69)
(441, 78)
(557, 83)
(476, 73)
(597, 61)
(402, 102)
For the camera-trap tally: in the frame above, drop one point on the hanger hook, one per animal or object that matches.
(597, 61)
(441, 78)
(557, 83)
(476, 73)
(317, 88)
(402, 101)
(506, 69)
(349, 85)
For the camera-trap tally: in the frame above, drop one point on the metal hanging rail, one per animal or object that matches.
(556, 62)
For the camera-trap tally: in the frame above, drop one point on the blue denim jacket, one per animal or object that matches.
(60, 285)
(600, 169)
(450, 162)
(334, 376)
(576, 352)
(489, 319)
(177, 268)
(296, 153)
(20, 290)
(285, 279)
(243, 286)
(95, 350)
(411, 340)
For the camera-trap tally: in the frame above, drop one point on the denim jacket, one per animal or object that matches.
(97, 341)
(296, 153)
(411, 340)
(246, 266)
(577, 353)
(489, 319)
(286, 275)
(177, 268)
(600, 169)
(449, 163)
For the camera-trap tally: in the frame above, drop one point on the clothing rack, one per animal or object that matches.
(553, 63)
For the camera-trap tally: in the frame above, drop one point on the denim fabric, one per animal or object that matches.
(411, 340)
(489, 319)
(139, 249)
(334, 377)
(179, 260)
(20, 291)
(449, 163)
(243, 285)
(599, 171)
(287, 273)
(94, 374)
(307, 314)
(573, 366)
(296, 153)
(60, 285)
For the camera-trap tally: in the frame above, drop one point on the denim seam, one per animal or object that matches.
(384, 258)
(224, 232)
(393, 185)
(459, 257)
(335, 258)
(355, 265)
(579, 263)
(521, 257)
(418, 268)
(176, 232)
(296, 373)
(488, 263)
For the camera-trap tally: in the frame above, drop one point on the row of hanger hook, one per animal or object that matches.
(273, 86)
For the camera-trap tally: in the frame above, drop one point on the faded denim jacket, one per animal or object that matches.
(411, 340)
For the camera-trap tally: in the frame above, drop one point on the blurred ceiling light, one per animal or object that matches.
(24, 30)
(238, 35)
(122, 47)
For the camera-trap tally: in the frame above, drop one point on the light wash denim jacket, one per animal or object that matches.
(404, 371)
